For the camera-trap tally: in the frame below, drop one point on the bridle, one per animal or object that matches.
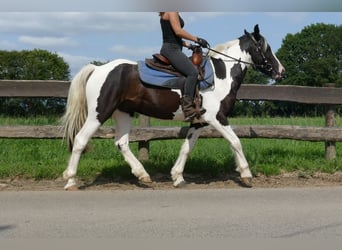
(265, 65)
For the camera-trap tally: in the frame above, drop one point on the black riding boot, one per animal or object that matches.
(189, 110)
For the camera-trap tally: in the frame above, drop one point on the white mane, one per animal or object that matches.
(222, 47)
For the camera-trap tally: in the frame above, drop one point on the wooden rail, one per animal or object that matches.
(34, 88)
(300, 94)
(329, 96)
(143, 134)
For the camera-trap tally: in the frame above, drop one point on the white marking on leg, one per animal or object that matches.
(81, 141)
(241, 162)
(122, 129)
(178, 168)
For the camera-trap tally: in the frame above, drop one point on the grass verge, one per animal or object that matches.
(47, 159)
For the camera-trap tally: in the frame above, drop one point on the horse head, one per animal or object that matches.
(262, 56)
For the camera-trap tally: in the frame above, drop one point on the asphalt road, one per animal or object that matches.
(163, 214)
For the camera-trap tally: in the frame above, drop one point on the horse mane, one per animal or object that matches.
(223, 46)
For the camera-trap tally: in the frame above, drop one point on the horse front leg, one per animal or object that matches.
(240, 159)
(178, 168)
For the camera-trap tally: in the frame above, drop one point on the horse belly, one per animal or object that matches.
(154, 102)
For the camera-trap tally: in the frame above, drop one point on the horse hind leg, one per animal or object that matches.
(122, 129)
(81, 140)
(178, 168)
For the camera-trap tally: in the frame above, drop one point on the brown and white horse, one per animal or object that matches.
(115, 89)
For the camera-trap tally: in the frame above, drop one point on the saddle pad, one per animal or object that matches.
(162, 79)
(152, 76)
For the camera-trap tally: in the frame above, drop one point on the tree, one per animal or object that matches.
(255, 77)
(251, 108)
(313, 57)
(98, 63)
(32, 65)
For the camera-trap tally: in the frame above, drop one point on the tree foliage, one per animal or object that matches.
(313, 57)
(32, 65)
(98, 63)
(255, 77)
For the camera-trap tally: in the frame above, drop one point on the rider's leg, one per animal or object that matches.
(184, 65)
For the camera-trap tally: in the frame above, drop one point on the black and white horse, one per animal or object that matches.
(116, 90)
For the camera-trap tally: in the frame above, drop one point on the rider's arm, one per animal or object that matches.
(176, 26)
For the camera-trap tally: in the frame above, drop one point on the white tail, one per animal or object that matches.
(76, 109)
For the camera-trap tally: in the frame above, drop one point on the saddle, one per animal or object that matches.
(161, 63)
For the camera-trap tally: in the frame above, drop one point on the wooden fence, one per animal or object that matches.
(328, 96)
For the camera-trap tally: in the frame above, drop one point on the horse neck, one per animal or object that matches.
(236, 52)
(233, 50)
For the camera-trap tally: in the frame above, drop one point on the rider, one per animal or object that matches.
(173, 33)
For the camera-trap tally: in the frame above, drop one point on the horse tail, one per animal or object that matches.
(76, 108)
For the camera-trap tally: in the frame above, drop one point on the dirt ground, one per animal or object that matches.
(162, 182)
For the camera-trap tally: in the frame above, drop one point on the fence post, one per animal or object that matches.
(330, 121)
(144, 146)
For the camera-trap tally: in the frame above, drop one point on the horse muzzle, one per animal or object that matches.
(280, 74)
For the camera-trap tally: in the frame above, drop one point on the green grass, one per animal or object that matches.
(40, 120)
(47, 158)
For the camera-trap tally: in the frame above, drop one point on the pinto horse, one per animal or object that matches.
(116, 90)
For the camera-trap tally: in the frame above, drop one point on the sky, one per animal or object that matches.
(82, 35)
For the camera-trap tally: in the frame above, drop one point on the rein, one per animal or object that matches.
(233, 58)
(266, 66)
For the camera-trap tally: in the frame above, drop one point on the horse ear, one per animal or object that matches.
(256, 32)
(256, 29)
(247, 33)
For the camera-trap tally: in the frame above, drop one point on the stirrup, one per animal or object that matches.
(196, 114)
(190, 118)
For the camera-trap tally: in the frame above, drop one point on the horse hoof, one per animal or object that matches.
(71, 188)
(181, 184)
(145, 179)
(246, 182)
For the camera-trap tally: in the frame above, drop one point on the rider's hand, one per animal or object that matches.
(192, 47)
(203, 42)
